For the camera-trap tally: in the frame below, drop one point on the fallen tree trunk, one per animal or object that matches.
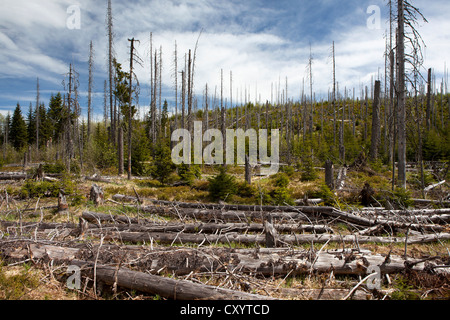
(199, 227)
(236, 207)
(12, 176)
(162, 286)
(135, 280)
(96, 178)
(293, 239)
(260, 261)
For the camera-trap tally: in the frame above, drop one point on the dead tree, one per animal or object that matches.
(373, 154)
(62, 203)
(130, 107)
(110, 68)
(37, 114)
(429, 92)
(248, 170)
(329, 176)
(407, 16)
(90, 84)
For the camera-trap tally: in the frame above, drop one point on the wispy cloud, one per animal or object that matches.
(260, 41)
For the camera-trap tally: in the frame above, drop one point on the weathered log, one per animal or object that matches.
(97, 178)
(235, 207)
(295, 239)
(13, 176)
(262, 261)
(165, 287)
(143, 225)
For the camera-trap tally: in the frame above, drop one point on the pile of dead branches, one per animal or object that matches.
(235, 245)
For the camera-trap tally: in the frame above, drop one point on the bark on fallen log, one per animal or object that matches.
(197, 227)
(259, 261)
(12, 176)
(135, 280)
(162, 286)
(235, 207)
(293, 239)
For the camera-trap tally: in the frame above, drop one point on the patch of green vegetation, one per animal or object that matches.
(222, 186)
(17, 286)
(32, 189)
(404, 291)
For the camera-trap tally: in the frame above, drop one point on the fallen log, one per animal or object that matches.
(292, 239)
(14, 176)
(140, 226)
(235, 207)
(165, 287)
(259, 261)
(96, 178)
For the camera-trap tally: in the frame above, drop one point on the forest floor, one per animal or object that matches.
(323, 251)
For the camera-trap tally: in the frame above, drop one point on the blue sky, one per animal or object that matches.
(260, 41)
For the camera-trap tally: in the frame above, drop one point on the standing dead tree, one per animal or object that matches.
(376, 132)
(90, 84)
(407, 35)
(109, 24)
(130, 109)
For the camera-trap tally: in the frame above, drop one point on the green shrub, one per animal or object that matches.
(57, 167)
(401, 198)
(222, 186)
(325, 194)
(163, 166)
(189, 174)
(281, 180)
(307, 170)
(281, 196)
(245, 190)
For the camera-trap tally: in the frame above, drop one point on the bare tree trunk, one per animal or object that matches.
(176, 84)
(429, 100)
(130, 113)
(375, 123)
(334, 95)
(111, 72)
(248, 170)
(105, 105)
(91, 64)
(37, 114)
(120, 143)
(189, 96)
(401, 96)
(329, 176)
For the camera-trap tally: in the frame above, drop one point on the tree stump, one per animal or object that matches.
(248, 170)
(62, 203)
(96, 195)
(329, 179)
(83, 225)
(366, 195)
(271, 233)
(39, 176)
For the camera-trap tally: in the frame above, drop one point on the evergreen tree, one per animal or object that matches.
(31, 125)
(55, 116)
(18, 130)
(162, 164)
(45, 126)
